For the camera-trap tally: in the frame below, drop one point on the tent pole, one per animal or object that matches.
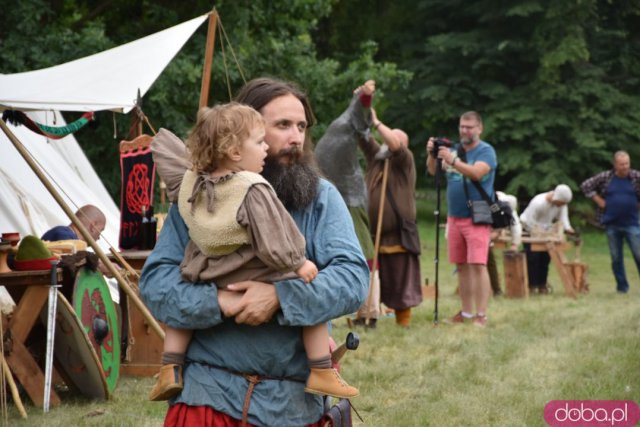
(208, 58)
(85, 234)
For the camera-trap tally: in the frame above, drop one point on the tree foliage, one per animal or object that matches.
(265, 37)
(557, 82)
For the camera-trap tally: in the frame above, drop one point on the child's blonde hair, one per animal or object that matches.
(217, 129)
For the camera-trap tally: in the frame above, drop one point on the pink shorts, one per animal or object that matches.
(468, 243)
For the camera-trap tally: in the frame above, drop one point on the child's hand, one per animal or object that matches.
(308, 271)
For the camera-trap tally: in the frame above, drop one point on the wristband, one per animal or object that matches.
(454, 161)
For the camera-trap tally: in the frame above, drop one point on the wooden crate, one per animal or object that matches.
(579, 272)
(515, 274)
(144, 348)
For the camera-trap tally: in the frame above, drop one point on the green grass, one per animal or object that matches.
(533, 351)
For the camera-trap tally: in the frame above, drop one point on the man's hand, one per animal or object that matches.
(105, 271)
(257, 305)
(367, 88)
(444, 152)
(374, 118)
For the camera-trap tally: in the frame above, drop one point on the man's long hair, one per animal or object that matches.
(261, 91)
(295, 183)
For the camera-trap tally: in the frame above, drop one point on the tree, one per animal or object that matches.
(555, 81)
(267, 38)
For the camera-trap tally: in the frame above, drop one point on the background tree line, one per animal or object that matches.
(557, 82)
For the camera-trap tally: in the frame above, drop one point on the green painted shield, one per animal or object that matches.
(94, 307)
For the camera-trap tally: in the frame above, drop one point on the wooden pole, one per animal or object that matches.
(208, 58)
(376, 249)
(124, 263)
(85, 234)
(14, 388)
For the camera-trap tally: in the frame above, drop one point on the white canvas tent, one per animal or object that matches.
(27, 206)
(109, 80)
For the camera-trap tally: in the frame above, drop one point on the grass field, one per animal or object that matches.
(533, 351)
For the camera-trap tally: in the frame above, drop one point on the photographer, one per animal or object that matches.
(468, 242)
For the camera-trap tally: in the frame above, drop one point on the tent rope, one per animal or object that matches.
(224, 62)
(146, 120)
(244, 80)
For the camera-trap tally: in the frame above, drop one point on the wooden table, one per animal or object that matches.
(144, 349)
(556, 246)
(30, 290)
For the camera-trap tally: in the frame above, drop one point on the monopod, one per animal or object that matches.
(436, 259)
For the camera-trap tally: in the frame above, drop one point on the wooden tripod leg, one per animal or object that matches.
(565, 276)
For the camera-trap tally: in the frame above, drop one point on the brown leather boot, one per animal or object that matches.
(403, 317)
(169, 383)
(327, 381)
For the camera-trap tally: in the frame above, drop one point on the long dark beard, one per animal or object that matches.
(295, 183)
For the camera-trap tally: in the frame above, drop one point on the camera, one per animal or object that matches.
(439, 142)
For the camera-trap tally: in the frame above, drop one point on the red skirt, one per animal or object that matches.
(181, 415)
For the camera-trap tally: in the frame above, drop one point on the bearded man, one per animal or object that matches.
(472, 160)
(246, 361)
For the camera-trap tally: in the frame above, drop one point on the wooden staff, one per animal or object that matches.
(376, 249)
(14, 388)
(124, 263)
(6, 373)
(87, 237)
(208, 58)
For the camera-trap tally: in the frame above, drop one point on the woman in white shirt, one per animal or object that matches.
(543, 211)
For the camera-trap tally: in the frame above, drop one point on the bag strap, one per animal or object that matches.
(392, 202)
(483, 193)
(463, 155)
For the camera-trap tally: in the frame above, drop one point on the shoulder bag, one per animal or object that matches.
(409, 237)
(496, 213)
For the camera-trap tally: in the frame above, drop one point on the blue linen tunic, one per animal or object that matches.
(275, 348)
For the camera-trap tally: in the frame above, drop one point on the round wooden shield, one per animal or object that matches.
(74, 352)
(97, 313)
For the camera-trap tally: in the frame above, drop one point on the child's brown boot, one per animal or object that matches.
(329, 382)
(169, 383)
